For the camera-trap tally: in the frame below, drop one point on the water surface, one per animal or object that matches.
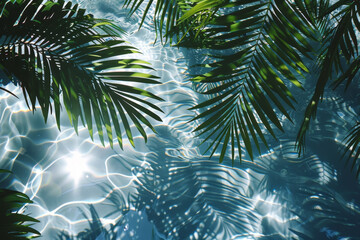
(166, 189)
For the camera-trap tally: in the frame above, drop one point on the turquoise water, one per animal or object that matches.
(166, 189)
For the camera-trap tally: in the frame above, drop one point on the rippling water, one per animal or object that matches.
(166, 189)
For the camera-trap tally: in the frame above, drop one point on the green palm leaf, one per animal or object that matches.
(339, 60)
(175, 19)
(341, 45)
(261, 45)
(12, 223)
(56, 52)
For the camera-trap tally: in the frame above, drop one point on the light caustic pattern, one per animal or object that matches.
(169, 187)
(63, 172)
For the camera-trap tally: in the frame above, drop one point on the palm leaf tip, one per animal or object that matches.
(61, 55)
(4, 89)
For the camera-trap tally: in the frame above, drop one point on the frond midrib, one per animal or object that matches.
(258, 40)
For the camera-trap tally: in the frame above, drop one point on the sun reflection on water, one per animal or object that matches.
(76, 166)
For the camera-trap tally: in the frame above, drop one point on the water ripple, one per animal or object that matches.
(166, 187)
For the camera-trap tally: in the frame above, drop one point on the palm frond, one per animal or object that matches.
(341, 46)
(58, 53)
(261, 45)
(15, 225)
(175, 19)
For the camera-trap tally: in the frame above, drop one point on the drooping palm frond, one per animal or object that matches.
(339, 64)
(340, 55)
(56, 52)
(269, 39)
(14, 224)
(261, 46)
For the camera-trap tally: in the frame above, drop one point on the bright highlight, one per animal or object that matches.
(76, 166)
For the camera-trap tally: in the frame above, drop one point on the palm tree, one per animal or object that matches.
(258, 54)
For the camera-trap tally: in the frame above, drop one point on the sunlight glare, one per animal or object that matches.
(76, 166)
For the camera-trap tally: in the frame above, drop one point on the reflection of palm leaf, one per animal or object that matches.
(285, 172)
(12, 222)
(200, 200)
(325, 214)
(96, 229)
(95, 226)
(268, 40)
(352, 141)
(55, 51)
(116, 199)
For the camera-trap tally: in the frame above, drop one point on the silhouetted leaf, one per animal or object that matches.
(340, 43)
(268, 41)
(59, 54)
(14, 224)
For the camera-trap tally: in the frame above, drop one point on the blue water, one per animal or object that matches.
(166, 189)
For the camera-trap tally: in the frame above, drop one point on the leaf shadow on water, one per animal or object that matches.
(274, 197)
(278, 196)
(96, 229)
(196, 198)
